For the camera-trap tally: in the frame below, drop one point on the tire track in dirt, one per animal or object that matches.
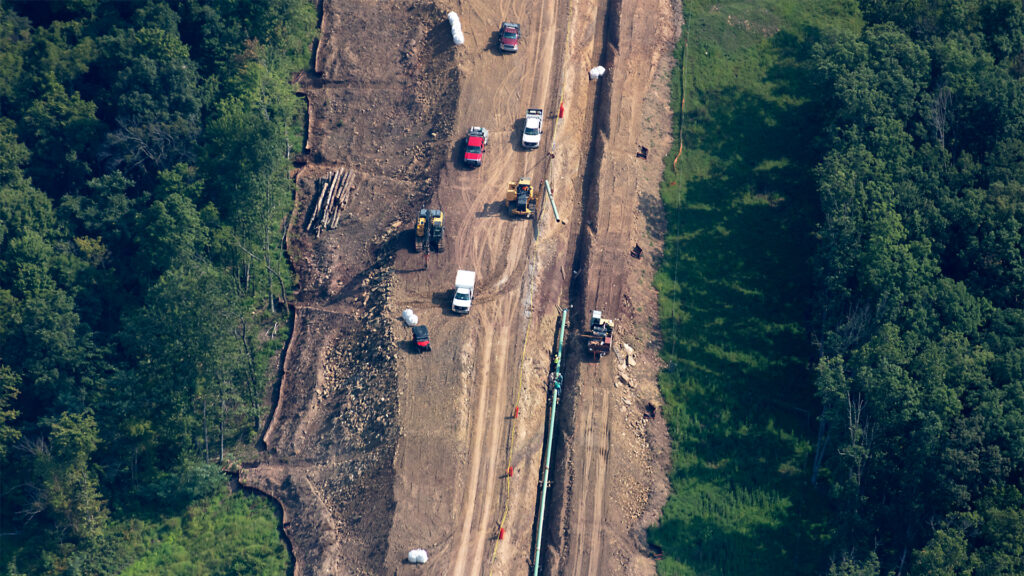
(594, 471)
(382, 109)
(457, 520)
(470, 494)
(488, 516)
(588, 435)
(596, 510)
(564, 530)
(596, 521)
(446, 491)
(539, 67)
(499, 249)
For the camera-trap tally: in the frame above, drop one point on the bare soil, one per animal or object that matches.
(611, 471)
(383, 110)
(373, 450)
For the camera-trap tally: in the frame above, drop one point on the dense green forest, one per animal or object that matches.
(144, 157)
(736, 287)
(842, 290)
(921, 287)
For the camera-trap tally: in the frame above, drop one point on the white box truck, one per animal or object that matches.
(464, 281)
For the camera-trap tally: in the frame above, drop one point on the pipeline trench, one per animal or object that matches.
(417, 452)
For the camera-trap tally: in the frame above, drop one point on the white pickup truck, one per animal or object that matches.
(464, 281)
(531, 129)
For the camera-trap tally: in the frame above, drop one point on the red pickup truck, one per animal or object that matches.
(508, 37)
(475, 143)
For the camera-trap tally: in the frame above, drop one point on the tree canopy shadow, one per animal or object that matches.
(737, 289)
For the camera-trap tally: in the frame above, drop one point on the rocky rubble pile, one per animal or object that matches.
(359, 369)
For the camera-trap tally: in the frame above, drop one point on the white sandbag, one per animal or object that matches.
(410, 318)
(457, 36)
(417, 556)
(596, 72)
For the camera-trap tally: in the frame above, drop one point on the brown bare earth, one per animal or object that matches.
(373, 450)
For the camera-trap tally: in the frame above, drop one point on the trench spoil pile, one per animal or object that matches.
(330, 442)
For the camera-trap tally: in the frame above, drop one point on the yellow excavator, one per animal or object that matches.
(429, 231)
(520, 200)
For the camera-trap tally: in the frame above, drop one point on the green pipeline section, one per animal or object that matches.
(552, 200)
(555, 385)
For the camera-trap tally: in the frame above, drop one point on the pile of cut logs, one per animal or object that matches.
(335, 191)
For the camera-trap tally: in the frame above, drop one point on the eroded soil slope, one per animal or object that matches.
(378, 108)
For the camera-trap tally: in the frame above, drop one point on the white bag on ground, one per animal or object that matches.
(457, 36)
(417, 556)
(410, 318)
(596, 72)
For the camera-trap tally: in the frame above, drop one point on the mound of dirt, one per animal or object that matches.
(380, 103)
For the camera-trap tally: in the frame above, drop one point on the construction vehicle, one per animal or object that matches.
(429, 231)
(520, 200)
(464, 282)
(420, 338)
(599, 335)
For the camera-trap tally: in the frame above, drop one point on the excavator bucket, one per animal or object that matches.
(510, 193)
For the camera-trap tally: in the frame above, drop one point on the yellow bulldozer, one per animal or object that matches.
(429, 231)
(520, 199)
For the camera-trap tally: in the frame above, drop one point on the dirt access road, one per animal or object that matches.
(455, 405)
(366, 470)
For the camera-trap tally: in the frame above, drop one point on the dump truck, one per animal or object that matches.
(429, 231)
(464, 282)
(599, 335)
(520, 199)
(532, 126)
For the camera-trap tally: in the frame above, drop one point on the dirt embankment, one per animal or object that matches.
(557, 526)
(612, 445)
(381, 108)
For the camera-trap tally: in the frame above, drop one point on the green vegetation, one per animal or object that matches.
(840, 296)
(216, 534)
(224, 535)
(144, 156)
(920, 273)
(736, 287)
